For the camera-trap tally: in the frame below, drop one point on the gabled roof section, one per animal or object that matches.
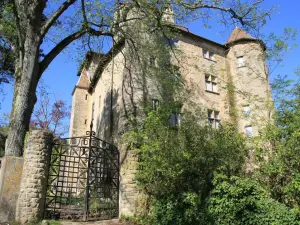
(83, 81)
(239, 34)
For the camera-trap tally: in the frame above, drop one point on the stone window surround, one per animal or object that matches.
(155, 104)
(240, 61)
(211, 84)
(209, 55)
(213, 118)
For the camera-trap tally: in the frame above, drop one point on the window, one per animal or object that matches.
(211, 55)
(152, 61)
(204, 52)
(240, 61)
(85, 121)
(249, 131)
(213, 118)
(86, 97)
(175, 119)
(155, 104)
(172, 42)
(211, 83)
(208, 54)
(246, 110)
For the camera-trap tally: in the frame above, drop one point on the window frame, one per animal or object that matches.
(213, 117)
(155, 104)
(246, 113)
(209, 55)
(240, 64)
(211, 81)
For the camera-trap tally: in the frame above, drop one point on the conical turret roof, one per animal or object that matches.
(238, 34)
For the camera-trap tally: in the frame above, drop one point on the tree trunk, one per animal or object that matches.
(28, 17)
(24, 95)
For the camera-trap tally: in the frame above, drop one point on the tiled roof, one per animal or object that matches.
(238, 34)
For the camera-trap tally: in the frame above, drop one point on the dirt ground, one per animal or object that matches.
(105, 222)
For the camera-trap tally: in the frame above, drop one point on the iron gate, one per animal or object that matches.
(83, 182)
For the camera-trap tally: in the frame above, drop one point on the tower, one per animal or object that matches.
(249, 78)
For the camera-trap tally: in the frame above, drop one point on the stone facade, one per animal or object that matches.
(229, 82)
(31, 201)
(10, 179)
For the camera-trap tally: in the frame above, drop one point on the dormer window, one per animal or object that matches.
(208, 54)
(240, 61)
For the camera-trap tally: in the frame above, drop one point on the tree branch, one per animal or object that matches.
(228, 10)
(55, 16)
(64, 43)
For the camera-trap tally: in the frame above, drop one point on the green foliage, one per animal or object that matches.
(177, 165)
(238, 200)
(281, 173)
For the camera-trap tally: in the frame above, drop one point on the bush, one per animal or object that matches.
(243, 201)
(177, 166)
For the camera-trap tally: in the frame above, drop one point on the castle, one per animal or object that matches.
(230, 81)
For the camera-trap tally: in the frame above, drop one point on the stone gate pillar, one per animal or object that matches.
(33, 186)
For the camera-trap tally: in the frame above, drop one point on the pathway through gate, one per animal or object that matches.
(83, 182)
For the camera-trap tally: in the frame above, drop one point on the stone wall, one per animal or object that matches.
(128, 188)
(32, 195)
(10, 177)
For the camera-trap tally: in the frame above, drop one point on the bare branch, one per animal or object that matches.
(85, 21)
(64, 43)
(55, 16)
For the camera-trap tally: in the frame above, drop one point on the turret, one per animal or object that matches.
(248, 75)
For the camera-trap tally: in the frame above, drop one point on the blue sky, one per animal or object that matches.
(61, 76)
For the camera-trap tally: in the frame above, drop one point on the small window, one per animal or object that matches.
(249, 131)
(213, 118)
(152, 61)
(85, 121)
(155, 104)
(211, 83)
(172, 43)
(240, 61)
(208, 54)
(86, 97)
(204, 53)
(211, 56)
(175, 119)
(246, 110)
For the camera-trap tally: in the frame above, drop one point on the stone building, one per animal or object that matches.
(229, 81)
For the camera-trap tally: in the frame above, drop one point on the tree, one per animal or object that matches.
(281, 172)
(49, 115)
(23, 27)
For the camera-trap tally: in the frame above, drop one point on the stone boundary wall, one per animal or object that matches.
(10, 179)
(33, 188)
(129, 193)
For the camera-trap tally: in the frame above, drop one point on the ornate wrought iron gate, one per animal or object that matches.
(83, 182)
